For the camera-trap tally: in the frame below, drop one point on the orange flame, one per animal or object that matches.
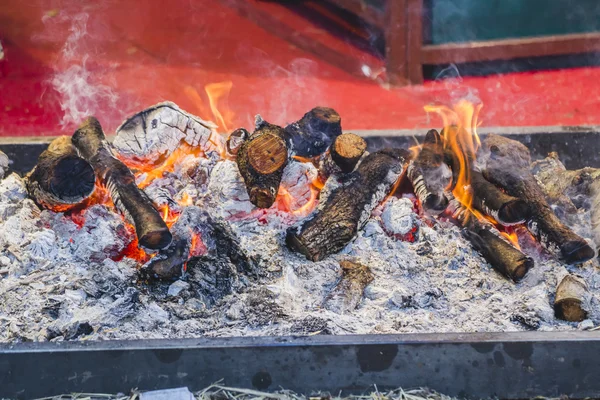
(218, 93)
(460, 135)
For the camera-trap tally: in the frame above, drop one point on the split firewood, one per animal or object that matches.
(151, 230)
(570, 300)
(314, 132)
(508, 167)
(428, 174)
(490, 200)
(61, 179)
(348, 207)
(261, 160)
(484, 237)
(153, 134)
(348, 292)
(235, 140)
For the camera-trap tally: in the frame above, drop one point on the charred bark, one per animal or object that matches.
(61, 179)
(349, 206)
(314, 132)
(261, 160)
(348, 292)
(500, 254)
(490, 200)
(508, 168)
(426, 173)
(570, 299)
(151, 230)
(235, 140)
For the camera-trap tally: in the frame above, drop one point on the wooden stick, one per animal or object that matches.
(346, 150)
(61, 179)
(570, 299)
(508, 168)
(261, 160)
(490, 200)
(348, 292)
(349, 206)
(151, 230)
(426, 174)
(500, 254)
(314, 132)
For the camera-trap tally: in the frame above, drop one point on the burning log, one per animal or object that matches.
(508, 167)
(348, 292)
(151, 230)
(235, 140)
(348, 207)
(426, 173)
(500, 254)
(261, 160)
(570, 298)
(346, 150)
(314, 132)
(490, 200)
(61, 179)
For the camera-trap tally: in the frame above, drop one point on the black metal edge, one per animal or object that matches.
(476, 365)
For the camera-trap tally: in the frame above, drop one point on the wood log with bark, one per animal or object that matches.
(261, 160)
(235, 140)
(490, 200)
(500, 254)
(61, 179)
(429, 175)
(343, 155)
(348, 292)
(508, 167)
(570, 300)
(132, 202)
(348, 207)
(314, 132)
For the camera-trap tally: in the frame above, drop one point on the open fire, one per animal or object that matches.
(179, 228)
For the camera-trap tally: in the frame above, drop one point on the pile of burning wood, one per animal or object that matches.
(335, 185)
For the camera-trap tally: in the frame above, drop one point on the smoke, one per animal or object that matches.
(80, 92)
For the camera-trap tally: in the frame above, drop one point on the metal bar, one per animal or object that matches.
(504, 365)
(506, 49)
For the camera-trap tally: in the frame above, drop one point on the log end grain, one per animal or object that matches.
(346, 150)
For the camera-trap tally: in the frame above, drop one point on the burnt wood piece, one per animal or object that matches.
(508, 167)
(261, 160)
(570, 298)
(484, 238)
(426, 173)
(168, 263)
(349, 206)
(61, 179)
(348, 292)
(151, 230)
(235, 140)
(346, 150)
(490, 200)
(314, 132)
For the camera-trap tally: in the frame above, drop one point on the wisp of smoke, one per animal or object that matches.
(80, 95)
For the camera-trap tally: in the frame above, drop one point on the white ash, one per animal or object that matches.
(159, 130)
(4, 161)
(58, 281)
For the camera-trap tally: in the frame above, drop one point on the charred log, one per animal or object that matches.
(508, 168)
(151, 230)
(570, 299)
(490, 200)
(61, 179)
(348, 207)
(314, 132)
(346, 150)
(261, 160)
(500, 254)
(426, 173)
(348, 292)
(235, 140)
